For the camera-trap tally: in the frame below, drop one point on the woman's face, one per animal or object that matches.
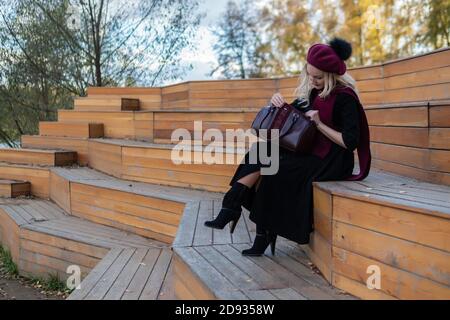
(316, 77)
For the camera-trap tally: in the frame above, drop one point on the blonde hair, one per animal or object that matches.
(303, 91)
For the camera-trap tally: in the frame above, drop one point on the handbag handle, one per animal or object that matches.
(272, 109)
(295, 118)
(286, 129)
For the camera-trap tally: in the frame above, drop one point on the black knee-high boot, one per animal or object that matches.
(231, 208)
(263, 239)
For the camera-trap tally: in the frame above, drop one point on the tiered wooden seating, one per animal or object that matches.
(37, 176)
(412, 139)
(197, 95)
(208, 264)
(396, 223)
(411, 79)
(45, 241)
(152, 163)
(166, 122)
(123, 125)
(38, 157)
(79, 145)
(136, 208)
(161, 122)
(149, 98)
(13, 188)
(129, 274)
(106, 104)
(71, 129)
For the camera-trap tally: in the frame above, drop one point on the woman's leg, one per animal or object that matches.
(232, 202)
(263, 239)
(250, 179)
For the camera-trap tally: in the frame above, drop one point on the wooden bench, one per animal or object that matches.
(147, 162)
(106, 104)
(45, 231)
(38, 157)
(71, 129)
(45, 239)
(398, 224)
(137, 125)
(152, 163)
(13, 188)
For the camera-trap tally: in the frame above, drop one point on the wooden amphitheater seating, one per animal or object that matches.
(44, 240)
(13, 188)
(110, 104)
(396, 223)
(38, 157)
(71, 129)
(399, 223)
(134, 125)
(147, 162)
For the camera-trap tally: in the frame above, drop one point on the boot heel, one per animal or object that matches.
(272, 245)
(233, 225)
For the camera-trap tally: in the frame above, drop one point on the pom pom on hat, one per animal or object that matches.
(342, 48)
(330, 58)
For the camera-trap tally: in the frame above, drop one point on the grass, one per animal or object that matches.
(7, 263)
(52, 284)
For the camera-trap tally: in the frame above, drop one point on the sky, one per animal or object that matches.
(203, 58)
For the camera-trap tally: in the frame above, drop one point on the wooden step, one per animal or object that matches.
(423, 77)
(45, 241)
(398, 224)
(110, 104)
(136, 125)
(127, 274)
(38, 176)
(79, 145)
(149, 98)
(148, 210)
(147, 162)
(152, 163)
(208, 263)
(48, 241)
(13, 188)
(38, 157)
(165, 123)
(71, 129)
(412, 139)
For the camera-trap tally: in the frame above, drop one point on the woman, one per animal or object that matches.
(282, 204)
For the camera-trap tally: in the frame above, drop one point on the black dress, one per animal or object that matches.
(283, 203)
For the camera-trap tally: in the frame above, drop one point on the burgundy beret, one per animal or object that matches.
(325, 58)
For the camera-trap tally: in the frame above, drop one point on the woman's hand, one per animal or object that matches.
(314, 116)
(277, 100)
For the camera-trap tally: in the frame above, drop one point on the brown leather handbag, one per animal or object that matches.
(296, 131)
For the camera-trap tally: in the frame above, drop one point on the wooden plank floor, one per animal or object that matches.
(214, 256)
(129, 274)
(50, 239)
